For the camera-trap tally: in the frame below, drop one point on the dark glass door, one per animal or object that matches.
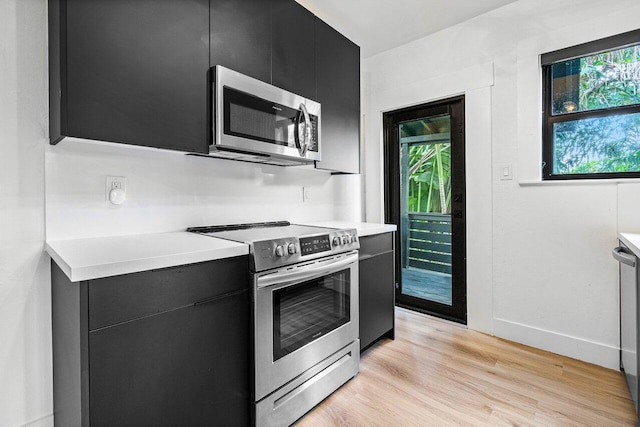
(425, 198)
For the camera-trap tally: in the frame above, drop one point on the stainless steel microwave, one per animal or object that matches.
(258, 122)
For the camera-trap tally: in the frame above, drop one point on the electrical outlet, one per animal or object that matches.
(118, 183)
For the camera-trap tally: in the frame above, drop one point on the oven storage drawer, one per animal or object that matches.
(293, 400)
(131, 296)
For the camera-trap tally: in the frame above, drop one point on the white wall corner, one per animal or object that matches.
(479, 207)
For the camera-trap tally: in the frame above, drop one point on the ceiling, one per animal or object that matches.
(379, 25)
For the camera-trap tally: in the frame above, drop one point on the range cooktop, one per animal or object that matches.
(274, 244)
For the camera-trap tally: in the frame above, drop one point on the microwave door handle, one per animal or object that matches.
(303, 143)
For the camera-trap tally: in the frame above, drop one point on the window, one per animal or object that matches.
(591, 124)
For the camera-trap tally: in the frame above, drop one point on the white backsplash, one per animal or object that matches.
(628, 208)
(169, 191)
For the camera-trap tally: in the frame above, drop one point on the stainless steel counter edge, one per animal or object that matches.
(93, 258)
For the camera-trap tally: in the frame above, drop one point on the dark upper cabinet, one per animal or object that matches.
(241, 37)
(135, 71)
(294, 59)
(138, 72)
(338, 91)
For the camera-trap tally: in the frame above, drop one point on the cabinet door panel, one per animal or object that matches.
(338, 86)
(241, 36)
(377, 297)
(294, 62)
(131, 296)
(137, 72)
(184, 367)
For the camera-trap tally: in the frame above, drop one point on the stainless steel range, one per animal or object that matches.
(305, 325)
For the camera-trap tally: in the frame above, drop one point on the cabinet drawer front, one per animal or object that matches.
(131, 296)
(376, 244)
(187, 367)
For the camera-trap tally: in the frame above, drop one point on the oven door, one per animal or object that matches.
(303, 315)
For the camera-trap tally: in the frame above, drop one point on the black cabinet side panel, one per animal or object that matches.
(377, 297)
(131, 296)
(137, 72)
(57, 69)
(294, 62)
(186, 367)
(70, 351)
(241, 37)
(338, 87)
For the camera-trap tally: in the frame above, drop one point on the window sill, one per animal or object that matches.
(574, 182)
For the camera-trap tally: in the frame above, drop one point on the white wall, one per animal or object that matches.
(25, 313)
(539, 265)
(170, 191)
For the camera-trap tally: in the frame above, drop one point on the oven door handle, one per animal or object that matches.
(305, 272)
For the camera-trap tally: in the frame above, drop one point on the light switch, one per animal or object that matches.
(506, 172)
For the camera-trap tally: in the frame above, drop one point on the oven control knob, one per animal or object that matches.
(292, 248)
(354, 238)
(279, 250)
(345, 240)
(336, 241)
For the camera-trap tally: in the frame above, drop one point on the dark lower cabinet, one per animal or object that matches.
(184, 364)
(377, 288)
(185, 367)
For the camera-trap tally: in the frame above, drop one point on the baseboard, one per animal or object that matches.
(566, 345)
(46, 421)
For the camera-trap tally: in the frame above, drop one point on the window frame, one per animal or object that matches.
(619, 41)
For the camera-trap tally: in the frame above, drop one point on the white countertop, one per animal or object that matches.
(364, 228)
(92, 258)
(632, 240)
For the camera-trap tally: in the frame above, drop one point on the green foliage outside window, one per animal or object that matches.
(602, 144)
(610, 79)
(430, 178)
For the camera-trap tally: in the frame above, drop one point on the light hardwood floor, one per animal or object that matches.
(437, 373)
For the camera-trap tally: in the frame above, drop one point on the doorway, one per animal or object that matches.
(424, 169)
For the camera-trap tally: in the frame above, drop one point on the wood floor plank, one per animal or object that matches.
(437, 373)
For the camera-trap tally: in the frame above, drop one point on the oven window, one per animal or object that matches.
(307, 311)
